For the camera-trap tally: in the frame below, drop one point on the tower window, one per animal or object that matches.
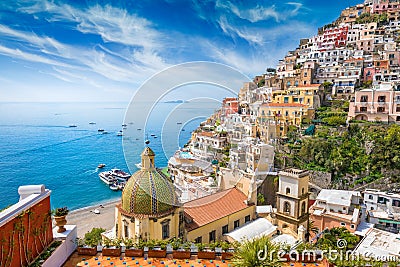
(303, 207)
(224, 229)
(287, 190)
(286, 207)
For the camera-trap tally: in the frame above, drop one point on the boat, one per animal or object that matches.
(101, 165)
(92, 122)
(120, 134)
(121, 186)
(139, 129)
(138, 165)
(183, 130)
(152, 135)
(96, 211)
(155, 136)
(179, 123)
(107, 177)
(114, 187)
(100, 130)
(72, 126)
(124, 125)
(104, 132)
(120, 175)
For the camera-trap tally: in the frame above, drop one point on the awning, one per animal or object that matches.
(389, 221)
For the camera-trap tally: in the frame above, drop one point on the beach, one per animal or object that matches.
(85, 219)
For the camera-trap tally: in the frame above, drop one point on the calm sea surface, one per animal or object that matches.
(37, 146)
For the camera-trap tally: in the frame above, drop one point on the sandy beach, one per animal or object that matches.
(86, 219)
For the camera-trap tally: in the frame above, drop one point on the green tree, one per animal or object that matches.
(251, 253)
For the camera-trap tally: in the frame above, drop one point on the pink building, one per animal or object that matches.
(381, 104)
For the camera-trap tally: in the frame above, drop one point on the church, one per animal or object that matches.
(150, 209)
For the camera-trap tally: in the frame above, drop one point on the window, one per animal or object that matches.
(236, 224)
(381, 98)
(287, 190)
(370, 197)
(363, 109)
(286, 207)
(303, 207)
(364, 98)
(247, 218)
(126, 231)
(302, 191)
(286, 100)
(342, 224)
(398, 108)
(352, 226)
(224, 229)
(286, 113)
(165, 230)
(381, 109)
(198, 239)
(211, 236)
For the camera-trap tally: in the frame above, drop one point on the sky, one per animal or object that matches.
(84, 50)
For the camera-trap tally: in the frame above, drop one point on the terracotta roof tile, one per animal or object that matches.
(213, 207)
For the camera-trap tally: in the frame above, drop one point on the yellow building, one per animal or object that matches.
(302, 94)
(149, 205)
(208, 218)
(279, 116)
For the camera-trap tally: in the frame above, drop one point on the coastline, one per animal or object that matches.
(85, 219)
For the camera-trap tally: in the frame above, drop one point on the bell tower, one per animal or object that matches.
(292, 200)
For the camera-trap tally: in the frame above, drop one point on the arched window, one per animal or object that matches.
(286, 206)
(303, 207)
(287, 190)
(302, 191)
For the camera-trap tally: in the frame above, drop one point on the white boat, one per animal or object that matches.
(120, 174)
(72, 126)
(101, 165)
(120, 134)
(138, 165)
(114, 187)
(107, 177)
(92, 122)
(124, 125)
(96, 211)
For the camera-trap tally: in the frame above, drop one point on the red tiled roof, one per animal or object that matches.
(209, 134)
(213, 207)
(283, 105)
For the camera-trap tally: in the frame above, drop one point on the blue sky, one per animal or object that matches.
(104, 50)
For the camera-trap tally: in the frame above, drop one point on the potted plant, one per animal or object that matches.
(227, 251)
(205, 252)
(112, 247)
(134, 249)
(60, 215)
(86, 249)
(181, 250)
(157, 249)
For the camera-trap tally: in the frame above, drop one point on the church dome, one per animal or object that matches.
(148, 192)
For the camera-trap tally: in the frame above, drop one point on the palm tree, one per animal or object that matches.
(258, 252)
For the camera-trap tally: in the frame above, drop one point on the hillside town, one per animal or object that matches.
(305, 158)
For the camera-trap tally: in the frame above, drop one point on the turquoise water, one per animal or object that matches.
(37, 146)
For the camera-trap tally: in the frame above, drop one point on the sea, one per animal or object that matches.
(38, 146)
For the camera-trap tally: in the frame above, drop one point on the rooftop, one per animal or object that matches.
(213, 207)
(379, 243)
(99, 260)
(337, 197)
(254, 229)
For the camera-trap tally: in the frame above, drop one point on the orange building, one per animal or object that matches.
(25, 227)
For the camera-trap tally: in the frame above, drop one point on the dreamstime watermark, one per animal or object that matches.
(331, 255)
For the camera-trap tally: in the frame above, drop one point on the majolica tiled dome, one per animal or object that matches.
(148, 191)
